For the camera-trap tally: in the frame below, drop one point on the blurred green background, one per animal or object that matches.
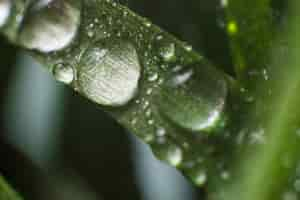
(55, 144)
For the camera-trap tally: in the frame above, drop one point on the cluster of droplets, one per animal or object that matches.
(152, 79)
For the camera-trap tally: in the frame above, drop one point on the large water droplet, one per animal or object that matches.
(169, 153)
(63, 73)
(193, 97)
(5, 9)
(109, 73)
(50, 25)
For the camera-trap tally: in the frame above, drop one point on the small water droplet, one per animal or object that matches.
(63, 73)
(188, 48)
(153, 77)
(146, 105)
(148, 113)
(225, 175)
(151, 122)
(159, 37)
(90, 34)
(171, 154)
(194, 97)
(134, 121)
(109, 72)
(167, 52)
(149, 91)
(148, 138)
(161, 132)
(148, 24)
(199, 177)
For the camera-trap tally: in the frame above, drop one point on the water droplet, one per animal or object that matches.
(149, 91)
(153, 77)
(160, 132)
(170, 153)
(148, 113)
(148, 24)
(51, 25)
(194, 97)
(90, 34)
(148, 138)
(225, 175)
(159, 37)
(5, 9)
(63, 73)
(188, 48)
(151, 122)
(167, 52)
(199, 177)
(109, 73)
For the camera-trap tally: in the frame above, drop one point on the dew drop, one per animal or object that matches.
(153, 77)
(160, 132)
(167, 52)
(90, 34)
(150, 121)
(63, 73)
(193, 97)
(109, 72)
(148, 138)
(50, 25)
(5, 9)
(171, 154)
(199, 177)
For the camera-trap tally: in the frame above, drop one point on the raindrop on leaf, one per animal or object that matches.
(193, 97)
(109, 72)
(50, 25)
(63, 73)
(169, 153)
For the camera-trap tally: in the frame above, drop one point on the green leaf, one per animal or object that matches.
(156, 86)
(6, 192)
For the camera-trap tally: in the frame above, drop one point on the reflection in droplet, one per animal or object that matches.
(109, 72)
(63, 73)
(193, 97)
(5, 9)
(50, 25)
